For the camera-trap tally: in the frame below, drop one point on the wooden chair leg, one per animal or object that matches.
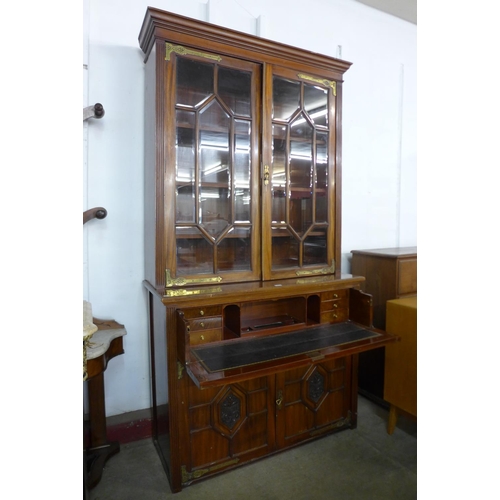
(393, 418)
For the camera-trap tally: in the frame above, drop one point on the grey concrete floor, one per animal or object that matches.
(365, 463)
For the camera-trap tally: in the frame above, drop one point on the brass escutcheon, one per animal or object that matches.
(279, 401)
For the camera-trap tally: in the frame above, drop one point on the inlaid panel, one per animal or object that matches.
(314, 401)
(228, 424)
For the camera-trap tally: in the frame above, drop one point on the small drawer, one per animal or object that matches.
(332, 305)
(202, 337)
(334, 316)
(204, 323)
(334, 295)
(201, 312)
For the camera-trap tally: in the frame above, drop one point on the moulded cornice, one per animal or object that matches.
(162, 25)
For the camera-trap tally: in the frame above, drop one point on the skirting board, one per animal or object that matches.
(128, 427)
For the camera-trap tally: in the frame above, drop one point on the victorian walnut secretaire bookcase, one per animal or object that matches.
(254, 331)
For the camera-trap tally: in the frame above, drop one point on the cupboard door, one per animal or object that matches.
(228, 425)
(299, 174)
(312, 400)
(214, 233)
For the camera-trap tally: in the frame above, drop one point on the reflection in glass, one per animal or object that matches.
(301, 135)
(315, 247)
(300, 212)
(279, 178)
(321, 177)
(195, 81)
(301, 174)
(234, 251)
(185, 166)
(285, 248)
(316, 104)
(235, 90)
(286, 98)
(194, 252)
(213, 167)
(300, 157)
(242, 170)
(215, 189)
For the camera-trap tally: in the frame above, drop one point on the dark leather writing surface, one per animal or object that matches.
(246, 352)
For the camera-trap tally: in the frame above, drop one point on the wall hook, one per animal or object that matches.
(94, 213)
(95, 111)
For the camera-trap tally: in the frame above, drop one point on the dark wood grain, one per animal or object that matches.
(219, 418)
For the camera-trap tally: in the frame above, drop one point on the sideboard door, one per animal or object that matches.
(313, 400)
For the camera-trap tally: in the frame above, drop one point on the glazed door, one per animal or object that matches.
(213, 227)
(299, 188)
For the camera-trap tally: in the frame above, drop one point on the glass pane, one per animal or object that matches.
(242, 205)
(301, 174)
(299, 191)
(285, 249)
(279, 205)
(242, 170)
(194, 252)
(215, 188)
(321, 206)
(195, 81)
(316, 104)
(286, 98)
(185, 167)
(321, 177)
(214, 210)
(301, 134)
(315, 247)
(185, 203)
(213, 167)
(300, 211)
(278, 180)
(234, 251)
(242, 151)
(235, 90)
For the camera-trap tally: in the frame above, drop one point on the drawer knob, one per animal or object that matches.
(335, 296)
(202, 324)
(335, 305)
(202, 312)
(202, 337)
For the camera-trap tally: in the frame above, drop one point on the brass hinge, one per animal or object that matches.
(322, 81)
(182, 292)
(266, 175)
(179, 49)
(324, 270)
(180, 370)
(169, 281)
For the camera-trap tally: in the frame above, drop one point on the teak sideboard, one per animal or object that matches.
(390, 273)
(254, 331)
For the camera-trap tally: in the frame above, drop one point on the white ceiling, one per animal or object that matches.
(404, 9)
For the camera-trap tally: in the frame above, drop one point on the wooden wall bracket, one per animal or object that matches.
(94, 213)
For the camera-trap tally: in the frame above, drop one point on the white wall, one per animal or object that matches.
(379, 145)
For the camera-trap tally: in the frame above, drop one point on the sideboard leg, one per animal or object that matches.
(393, 418)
